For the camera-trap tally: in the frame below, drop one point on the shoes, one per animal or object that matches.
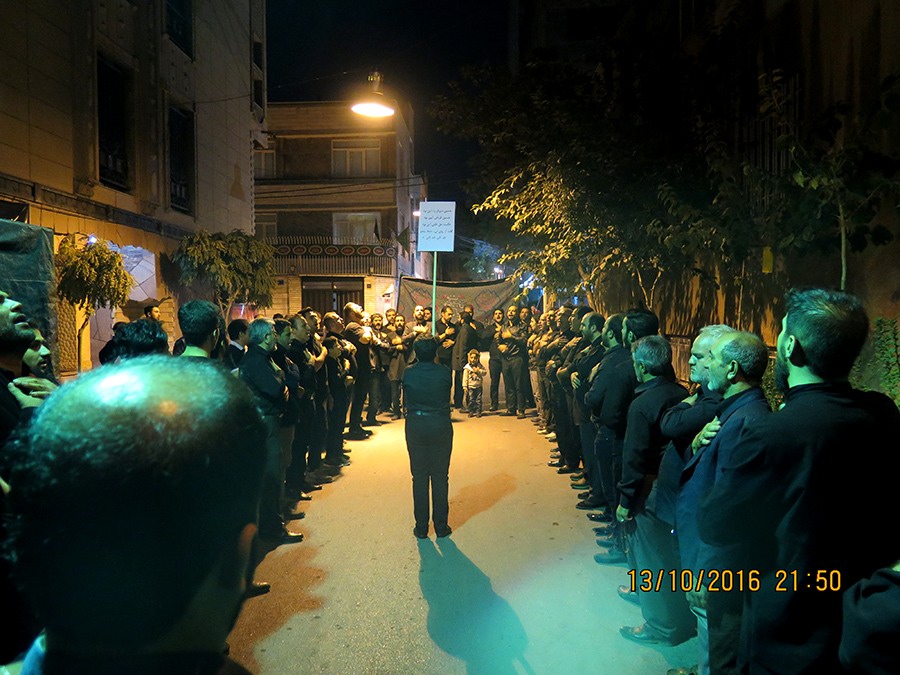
(257, 588)
(320, 478)
(443, 532)
(567, 469)
(611, 557)
(300, 515)
(521, 416)
(693, 670)
(606, 542)
(372, 423)
(493, 408)
(330, 469)
(555, 455)
(360, 435)
(580, 485)
(584, 496)
(508, 413)
(628, 595)
(557, 464)
(283, 537)
(600, 517)
(604, 532)
(420, 533)
(590, 505)
(577, 476)
(643, 635)
(551, 436)
(471, 414)
(396, 417)
(478, 414)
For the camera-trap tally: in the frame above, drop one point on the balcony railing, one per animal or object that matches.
(327, 256)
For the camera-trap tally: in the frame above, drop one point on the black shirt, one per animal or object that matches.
(426, 389)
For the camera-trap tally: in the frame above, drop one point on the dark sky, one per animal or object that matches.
(321, 50)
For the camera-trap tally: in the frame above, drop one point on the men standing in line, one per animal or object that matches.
(429, 436)
(736, 364)
(667, 618)
(584, 364)
(237, 342)
(782, 476)
(446, 334)
(360, 337)
(495, 362)
(380, 361)
(401, 340)
(468, 338)
(155, 465)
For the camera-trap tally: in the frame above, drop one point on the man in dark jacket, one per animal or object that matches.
(776, 494)
(468, 337)
(429, 436)
(512, 353)
(491, 336)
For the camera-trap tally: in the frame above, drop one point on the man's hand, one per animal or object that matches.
(622, 514)
(446, 344)
(36, 386)
(593, 373)
(705, 435)
(502, 348)
(576, 381)
(25, 395)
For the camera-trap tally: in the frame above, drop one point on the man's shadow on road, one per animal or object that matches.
(466, 618)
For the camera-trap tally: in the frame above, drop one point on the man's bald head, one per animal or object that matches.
(128, 487)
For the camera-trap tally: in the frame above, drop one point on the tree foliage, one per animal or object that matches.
(236, 266)
(90, 276)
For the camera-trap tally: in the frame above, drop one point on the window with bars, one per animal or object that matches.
(361, 227)
(181, 160)
(356, 158)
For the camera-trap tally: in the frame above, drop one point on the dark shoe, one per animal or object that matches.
(521, 416)
(372, 423)
(357, 436)
(443, 532)
(396, 417)
(558, 463)
(321, 478)
(600, 517)
(580, 485)
(308, 486)
(577, 476)
(283, 537)
(493, 408)
(628, 595)
(605, 542)
(555, 455)
(605, 532)
(420, 533)
(590, 505)
(584, 496)
(300, 515)
(567, 469)
(257, 588)
(331, 469)
(643, 635)
(508, 413)
(611, 557)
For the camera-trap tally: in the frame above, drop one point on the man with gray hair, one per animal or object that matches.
(736, 364)
(667, 618)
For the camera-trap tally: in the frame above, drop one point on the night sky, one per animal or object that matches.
(321, 50)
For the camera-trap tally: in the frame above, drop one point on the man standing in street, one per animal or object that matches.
(468, 338)
(360, 337)
(491, 336)
(512, 353)
(429, 436)
(776, 494)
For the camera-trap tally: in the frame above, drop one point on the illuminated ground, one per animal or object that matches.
(513, 590)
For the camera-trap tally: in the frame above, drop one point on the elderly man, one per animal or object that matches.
(157, 586)
(736, 364)
(429, 436)
(776, 493)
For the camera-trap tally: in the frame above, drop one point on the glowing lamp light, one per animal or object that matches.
(374, 104)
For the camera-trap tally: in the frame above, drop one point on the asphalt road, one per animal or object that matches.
(514, 589)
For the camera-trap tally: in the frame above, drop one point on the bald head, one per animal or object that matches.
(155, 463)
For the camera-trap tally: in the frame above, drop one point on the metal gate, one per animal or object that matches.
(330, 295)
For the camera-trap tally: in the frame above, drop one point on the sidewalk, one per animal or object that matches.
(514, 589)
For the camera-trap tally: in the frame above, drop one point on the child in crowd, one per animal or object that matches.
(473, 377)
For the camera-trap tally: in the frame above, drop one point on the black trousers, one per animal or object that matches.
(565, 429)
(396, 390)
(495, 367)
(458, 390)
(512, 380)
(334, 443)
(360, 391)
(429, 440)
(374, 396)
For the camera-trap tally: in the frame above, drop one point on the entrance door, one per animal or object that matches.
(330, 295)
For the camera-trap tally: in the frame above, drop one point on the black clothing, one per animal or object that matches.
(443, 332)
(353, 333)
(429, 440)
(233, 356)
(777, 495)
(872, 625)
(109, 352)
(258, 372)
(644, 442)
(468, 338)
(612, 390)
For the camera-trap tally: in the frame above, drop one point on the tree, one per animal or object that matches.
(236, 266)
(90, 277)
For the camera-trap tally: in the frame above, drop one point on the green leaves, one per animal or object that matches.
(92, 275)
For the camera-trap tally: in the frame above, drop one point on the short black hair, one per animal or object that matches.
(831, 326)
(157, 477)
(236, 327)
(198, 319)
(330, 342)
(642, 322)
(118, 325)
(425, 348)
(596, 321)
(140, 338)
(614, 323)
(280, 325)
(149, 308)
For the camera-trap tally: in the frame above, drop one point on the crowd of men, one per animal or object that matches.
(723, 511)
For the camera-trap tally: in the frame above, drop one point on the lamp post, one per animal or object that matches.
(374, 104)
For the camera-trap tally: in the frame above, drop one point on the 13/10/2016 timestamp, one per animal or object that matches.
(728, 581)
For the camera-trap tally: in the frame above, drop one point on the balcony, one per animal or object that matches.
(327, 256)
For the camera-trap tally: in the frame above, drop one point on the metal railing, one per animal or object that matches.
(334, 256)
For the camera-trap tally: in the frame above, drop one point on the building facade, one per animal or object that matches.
(133, 121)
(336, 195)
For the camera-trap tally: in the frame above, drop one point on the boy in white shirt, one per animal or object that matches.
(473, 378)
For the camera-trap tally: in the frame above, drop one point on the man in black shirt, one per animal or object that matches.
(360, 337)
(512, 352)
(467, 339)
(237, 342)
(777, 493)
(429, 436)
(491, 336)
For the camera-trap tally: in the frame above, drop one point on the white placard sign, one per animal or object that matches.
(437, 225)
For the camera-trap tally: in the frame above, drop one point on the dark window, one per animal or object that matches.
(179, 24)
(258, 97)
(258, 54)
(113, 125)
(181, 160)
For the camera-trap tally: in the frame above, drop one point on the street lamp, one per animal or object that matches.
(374, 104)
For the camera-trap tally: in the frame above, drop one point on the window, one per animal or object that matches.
(356, 158)
(181, 160)
(264, 164)
(114, 122)
(179, 24)
(361, 227)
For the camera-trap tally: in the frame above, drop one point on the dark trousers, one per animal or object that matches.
(334, 443)
(588, 432)
(429, 440)
(271, 522)
(385, 391)
(396, 390)
(512, 380)
(495, 367)
(608, 458)
(300, 447)
(360, 391)
(475, 404)
(458, 391)
(527, 391)
(654, 548)
(374, 396)
(565, 429)
(724, 611)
